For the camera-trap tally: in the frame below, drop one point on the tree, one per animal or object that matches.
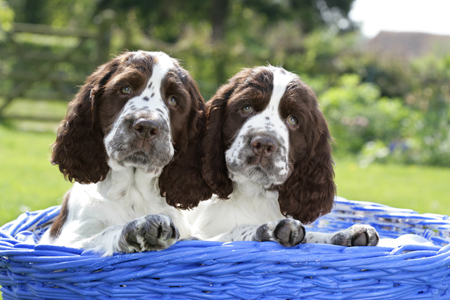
(238, 32)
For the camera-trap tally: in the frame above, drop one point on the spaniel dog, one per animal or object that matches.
(267, 158)
(132, 142)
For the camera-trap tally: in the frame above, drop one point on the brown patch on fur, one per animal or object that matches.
(309, 191)
(181, 181)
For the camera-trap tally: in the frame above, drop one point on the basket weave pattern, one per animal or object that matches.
(238, 270)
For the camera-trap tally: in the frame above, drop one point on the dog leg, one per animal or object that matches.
(148, 233)
(356, 235)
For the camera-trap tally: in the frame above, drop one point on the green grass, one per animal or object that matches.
(27, 179)
(421, 188)
(26, 107)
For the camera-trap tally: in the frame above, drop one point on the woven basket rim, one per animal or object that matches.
(246, 270)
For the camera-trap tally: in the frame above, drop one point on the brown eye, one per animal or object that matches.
(173, 102)
(126, 90)
(291, 120)
(247, 109)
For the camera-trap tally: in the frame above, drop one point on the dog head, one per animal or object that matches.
(141, 110)
(265, 126)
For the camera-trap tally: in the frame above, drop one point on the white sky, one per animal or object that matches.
(430, 16)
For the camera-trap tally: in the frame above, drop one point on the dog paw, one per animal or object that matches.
(288, 232)
(356, 235)
(148, 233)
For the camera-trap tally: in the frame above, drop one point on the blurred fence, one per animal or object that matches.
(42, 62)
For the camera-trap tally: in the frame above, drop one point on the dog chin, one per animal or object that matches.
(147, 162)
(253, 173)
(257, 174)
(137, 158)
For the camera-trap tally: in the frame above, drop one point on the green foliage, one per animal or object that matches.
(383, 129)
(58, 13)
(423, 88)
(6, 16)
(357, 115)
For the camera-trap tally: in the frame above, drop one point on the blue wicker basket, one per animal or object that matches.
(239, 270)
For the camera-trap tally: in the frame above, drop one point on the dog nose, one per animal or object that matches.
(263, 146)
(146, 129)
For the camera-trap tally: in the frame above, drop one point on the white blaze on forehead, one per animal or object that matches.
(163, 65)
(281, 79)
(151, 98)
(270, 116)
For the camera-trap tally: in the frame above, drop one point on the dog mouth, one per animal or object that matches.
(263, 170)
(254, 172)
(141, 141)
(258, 174)
(258, 161)
(138, 158)
(154, 157)
(156, 153)
(264, 176)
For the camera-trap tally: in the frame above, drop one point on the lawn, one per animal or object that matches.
(421, 188)
(28, 181)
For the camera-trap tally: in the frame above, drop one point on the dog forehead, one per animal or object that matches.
(281, 79)
(163, 63)
(151, 98)
(159, 62)
(270, 116)
(269, 120)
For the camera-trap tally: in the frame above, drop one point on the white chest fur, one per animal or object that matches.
(126, 194)
(248, 204)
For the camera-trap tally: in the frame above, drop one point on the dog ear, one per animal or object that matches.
(79, 150)
(309, 191)
(215, 170)
(181, 181)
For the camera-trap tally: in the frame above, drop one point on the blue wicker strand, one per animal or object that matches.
(238, 270)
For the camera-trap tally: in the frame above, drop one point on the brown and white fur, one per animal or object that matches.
(131, 140)
(267, 158)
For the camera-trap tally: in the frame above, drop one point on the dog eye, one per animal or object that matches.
(126, 90)
(293, 121)
(247, 109)
(173, 102)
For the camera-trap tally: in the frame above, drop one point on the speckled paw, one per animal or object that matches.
(356, 235)
(288, 232)
(149, 233)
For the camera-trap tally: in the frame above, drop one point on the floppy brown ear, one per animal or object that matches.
(79, 150)
(181, 181)
(309, 191)
(215, 169)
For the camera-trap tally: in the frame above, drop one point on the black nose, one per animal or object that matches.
(263, 146)
(146, 129)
